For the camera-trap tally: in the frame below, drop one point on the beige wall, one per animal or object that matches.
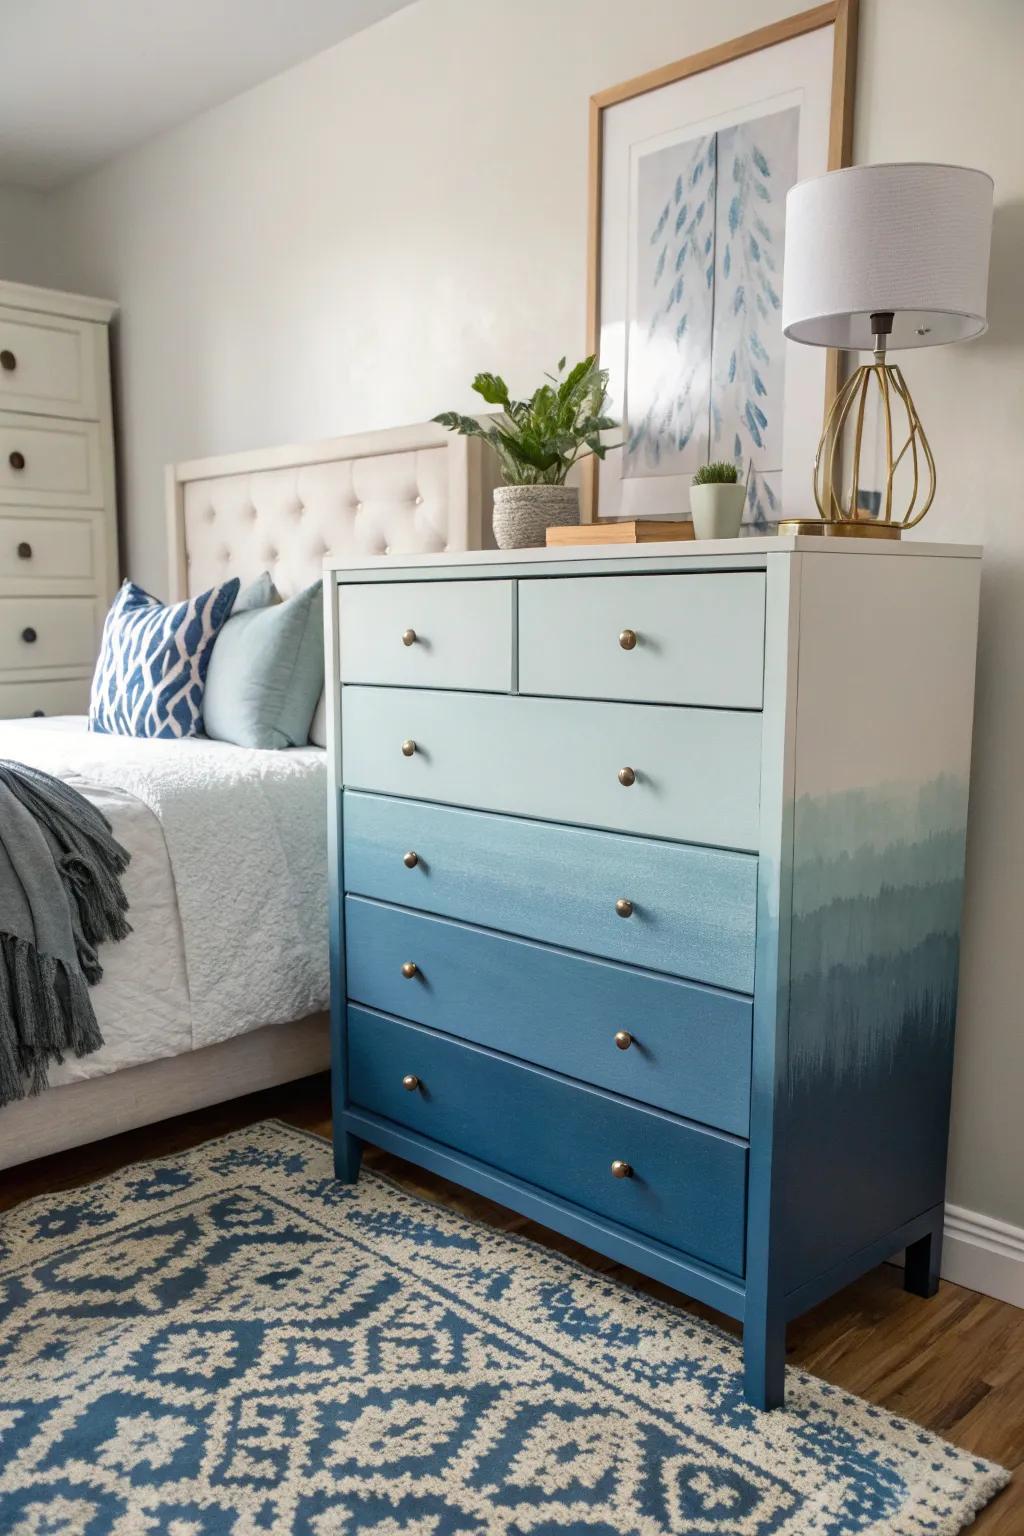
(942, 81)
(345, 245)
(25, 250)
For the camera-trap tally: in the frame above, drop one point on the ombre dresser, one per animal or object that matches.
(646, 873)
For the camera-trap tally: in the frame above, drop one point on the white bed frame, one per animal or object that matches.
(401, 491)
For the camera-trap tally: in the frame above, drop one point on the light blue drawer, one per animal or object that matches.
(688, 639)
(688, 1187)
(428, 634)
(687, 1048)
(696, 771)
(693, 908)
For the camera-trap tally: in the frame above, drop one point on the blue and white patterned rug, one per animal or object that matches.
(229, 1343)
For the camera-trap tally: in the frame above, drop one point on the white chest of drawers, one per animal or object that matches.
(58, 518)
(646, 873)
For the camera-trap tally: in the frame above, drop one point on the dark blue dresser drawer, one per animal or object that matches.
(684, 1186)
(692, 909)
(682, 1047)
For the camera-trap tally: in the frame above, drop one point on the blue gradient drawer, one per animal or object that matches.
(691, 774)
(693, 909)
(669, 1043)
(682, 1185)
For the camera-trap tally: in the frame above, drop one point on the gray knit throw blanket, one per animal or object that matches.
(60, 896)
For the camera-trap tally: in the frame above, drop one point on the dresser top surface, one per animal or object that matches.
(705, 554)
(51, 301)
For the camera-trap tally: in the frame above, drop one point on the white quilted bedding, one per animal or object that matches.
(227, 887)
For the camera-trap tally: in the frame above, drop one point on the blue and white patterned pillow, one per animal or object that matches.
(151, 672)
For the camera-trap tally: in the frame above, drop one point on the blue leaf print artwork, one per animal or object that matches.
(705, 355)
(748, 363)
(669, 342)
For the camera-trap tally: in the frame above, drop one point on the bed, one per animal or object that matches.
(221, 989)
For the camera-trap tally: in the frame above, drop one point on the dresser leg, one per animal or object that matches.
(921, 1275)
(348, 1154)
(764, 1363)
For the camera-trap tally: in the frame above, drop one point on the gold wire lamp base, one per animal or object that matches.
(851, 528)
(843, 518)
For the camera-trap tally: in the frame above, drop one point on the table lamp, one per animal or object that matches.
(880, 257)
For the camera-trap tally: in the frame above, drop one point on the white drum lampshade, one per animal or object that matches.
(880, 257)
(910, 239)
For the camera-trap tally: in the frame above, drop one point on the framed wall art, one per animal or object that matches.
(689, 170)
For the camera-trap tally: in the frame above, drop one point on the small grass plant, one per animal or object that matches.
(719, 473)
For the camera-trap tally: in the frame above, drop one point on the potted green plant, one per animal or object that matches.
(537, 442)
(716, 501)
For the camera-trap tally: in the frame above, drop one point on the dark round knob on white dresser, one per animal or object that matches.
(16, 459)
(621, 1170)
(627, 639)
(8, 361)
(410, 859)
(408, 748)
(29, 635)
(408, 637)
(24, 551)
(627, 776)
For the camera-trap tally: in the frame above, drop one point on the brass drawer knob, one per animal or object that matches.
(410, 1082)
(410, 969)
(409, 637)
(621, 1170)
(29, 636)
(410, 859)
(627, 639)
(627, 776)
(408, 748)
(24, 551)
(16, 459)
(624, 907)
(623, 1039)
(8, 361)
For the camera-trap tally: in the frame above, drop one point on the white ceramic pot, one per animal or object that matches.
(523, 513)
(717, 510)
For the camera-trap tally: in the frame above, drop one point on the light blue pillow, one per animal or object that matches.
(266, 674)
(153, 662)
(260, 593)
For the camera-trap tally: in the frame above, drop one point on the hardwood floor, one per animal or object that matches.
(954, 1364)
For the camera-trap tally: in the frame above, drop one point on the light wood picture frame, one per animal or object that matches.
(834, 125)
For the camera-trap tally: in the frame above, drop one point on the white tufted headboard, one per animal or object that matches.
(408, 490)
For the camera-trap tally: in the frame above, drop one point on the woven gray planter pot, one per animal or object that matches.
(522, 513)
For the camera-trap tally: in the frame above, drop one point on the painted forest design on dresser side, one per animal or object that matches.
(877, 885)
(877, 892)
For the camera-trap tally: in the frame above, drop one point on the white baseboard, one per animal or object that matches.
(983, 1254)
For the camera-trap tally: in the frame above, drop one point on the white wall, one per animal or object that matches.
(343, 247)
(25, 249)
(940, 80)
